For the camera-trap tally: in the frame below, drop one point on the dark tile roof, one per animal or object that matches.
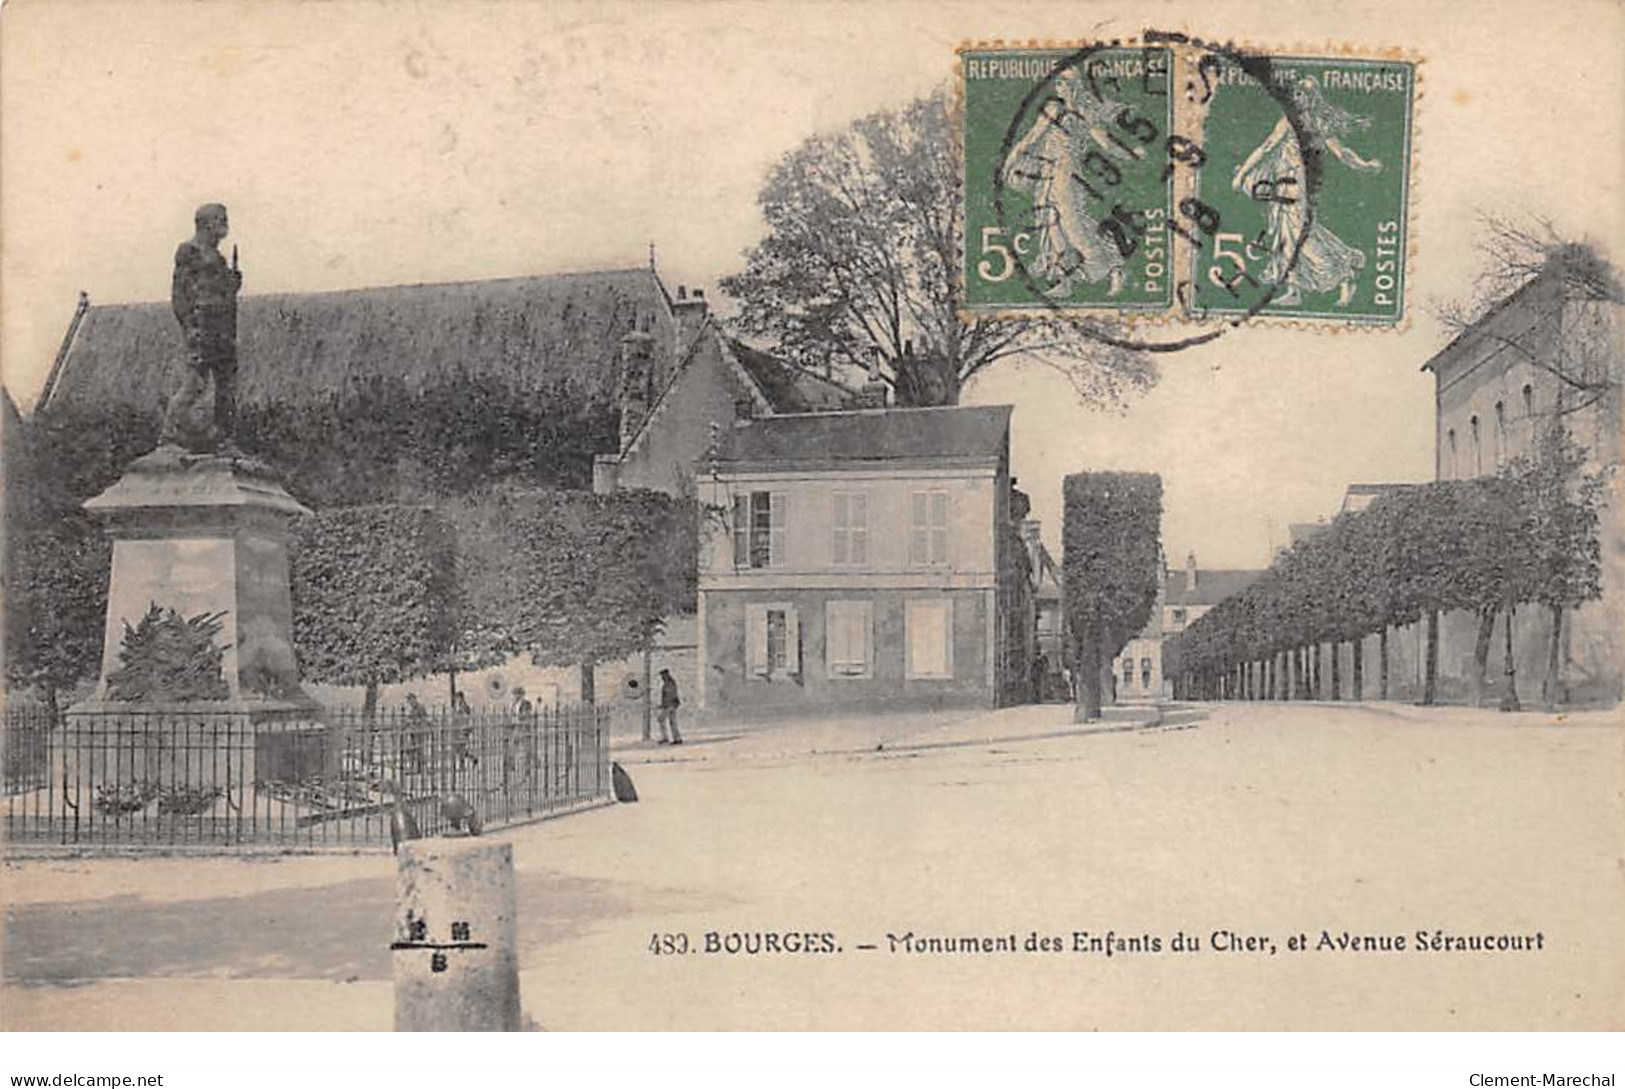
(887, 434)
(1212, 586)
(789, 388)
(538, 330)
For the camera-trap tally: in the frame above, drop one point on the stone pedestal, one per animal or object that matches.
(204, 533)
(456, 937)
(199, 534)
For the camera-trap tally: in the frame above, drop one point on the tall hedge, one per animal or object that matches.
(374, 595)
(56, 563)
(384, 441)
(577, 578)
(1111, 556)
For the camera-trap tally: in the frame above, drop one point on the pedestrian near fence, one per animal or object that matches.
(669, 702)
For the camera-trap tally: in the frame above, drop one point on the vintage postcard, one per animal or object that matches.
(910, 515)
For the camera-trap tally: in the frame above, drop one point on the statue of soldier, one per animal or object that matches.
(204, 297)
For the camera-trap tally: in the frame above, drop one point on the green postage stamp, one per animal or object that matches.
(1188, 180)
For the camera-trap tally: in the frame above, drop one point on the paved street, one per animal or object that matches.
(1260, 820)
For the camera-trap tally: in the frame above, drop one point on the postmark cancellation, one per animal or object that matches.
(1178, 180)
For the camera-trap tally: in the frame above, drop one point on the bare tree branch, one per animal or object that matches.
(862, 257)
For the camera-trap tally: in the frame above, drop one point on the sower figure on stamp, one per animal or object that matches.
(1049, 163)
(204, 297)
(1274, 173)
(668, 709)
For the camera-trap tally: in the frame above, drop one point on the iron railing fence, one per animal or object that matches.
(334, 779)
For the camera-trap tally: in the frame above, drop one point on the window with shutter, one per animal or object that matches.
(919, 539)
(741, 523)
(792, 641)
(756, 656)
(939, 527)
(841, 548)
(850, 545)
(777, 503)
(772, 640)
(928, 535)
(761, 529)
(758, 529)
(929, 638)
(847, 627)
(777, 636)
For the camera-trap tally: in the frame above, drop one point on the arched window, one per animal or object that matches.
(1478, 449)
(1500, 434)
(1450, 454)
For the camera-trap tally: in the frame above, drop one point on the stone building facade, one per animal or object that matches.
(1182, 597)
(853, 563)
(1546, 355)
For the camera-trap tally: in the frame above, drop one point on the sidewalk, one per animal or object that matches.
(843, 734)
(1441, 714)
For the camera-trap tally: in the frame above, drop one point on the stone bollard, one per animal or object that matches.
(455, 948)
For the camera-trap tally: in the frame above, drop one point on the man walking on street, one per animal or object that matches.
(668, 709)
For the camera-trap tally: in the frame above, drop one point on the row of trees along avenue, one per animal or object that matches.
(1111, 559)
(1525, 537)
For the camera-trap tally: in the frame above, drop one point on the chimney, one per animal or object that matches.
(637, 360)
(690, 310)
(606, 470)
(1190, 571)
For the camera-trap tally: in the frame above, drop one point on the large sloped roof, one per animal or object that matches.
(868, 435)
(559, 330)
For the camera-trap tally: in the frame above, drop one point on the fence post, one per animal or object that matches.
(455, 949)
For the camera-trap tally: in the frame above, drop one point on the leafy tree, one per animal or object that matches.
(1111, 554)
(1562, 508)
(373, 595)
(577, 578)
(861, 259)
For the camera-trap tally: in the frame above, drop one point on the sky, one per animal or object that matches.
(370, 143)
